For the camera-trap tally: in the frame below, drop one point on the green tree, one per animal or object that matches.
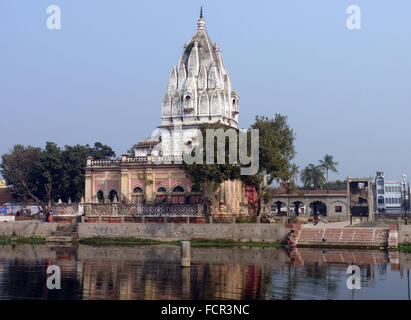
(312, 176)
(209, 177)
(337, 185)
(75, 160)
(51, 170)
(328, 163)
(23, 170)
(46, 175)
(276, 150)
(294, 171)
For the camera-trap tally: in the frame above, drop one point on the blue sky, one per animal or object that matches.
(103, 75)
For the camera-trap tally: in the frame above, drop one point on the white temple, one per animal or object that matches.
(199, 91)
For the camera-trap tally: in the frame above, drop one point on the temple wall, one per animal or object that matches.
(176, 231)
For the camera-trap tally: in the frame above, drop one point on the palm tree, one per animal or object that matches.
(294, 170)
(328, 163)
(312, 176)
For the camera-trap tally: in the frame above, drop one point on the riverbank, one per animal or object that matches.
(106, 241)
(404, 247)
(203, 235)
(16, 240)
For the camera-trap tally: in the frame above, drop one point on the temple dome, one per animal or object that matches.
(199, 88)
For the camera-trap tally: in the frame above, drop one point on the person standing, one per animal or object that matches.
(50, 217)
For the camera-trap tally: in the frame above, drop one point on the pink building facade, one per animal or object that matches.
(139, 180)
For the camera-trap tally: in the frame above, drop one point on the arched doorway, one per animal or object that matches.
(318, 208)
(100, 197)
(178, 195)
(195, 195)
(137, 195)
(112, 196)
(276, 208)
(298, 207)
(161, 194)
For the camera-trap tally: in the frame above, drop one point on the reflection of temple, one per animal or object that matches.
(163, 278)
(154, 272)
(199, 91)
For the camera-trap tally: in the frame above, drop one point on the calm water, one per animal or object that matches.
(153, 272)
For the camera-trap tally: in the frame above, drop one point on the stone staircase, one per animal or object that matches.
(356, 237)
(64, 234)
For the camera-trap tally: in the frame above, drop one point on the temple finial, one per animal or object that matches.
(201, 22)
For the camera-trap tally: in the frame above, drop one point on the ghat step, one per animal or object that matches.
(377, 237)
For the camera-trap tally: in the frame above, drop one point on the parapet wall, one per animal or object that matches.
(176, 231)
(28, 228)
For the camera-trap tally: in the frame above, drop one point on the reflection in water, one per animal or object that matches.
(154, 272)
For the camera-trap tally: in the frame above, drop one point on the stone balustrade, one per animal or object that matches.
(128, 210)
(127, 160)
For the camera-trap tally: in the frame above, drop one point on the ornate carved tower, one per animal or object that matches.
(199, 91)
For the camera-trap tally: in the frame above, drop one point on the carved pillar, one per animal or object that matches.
(149, 185)
(124, 187)
(88, 186)
(221, 198)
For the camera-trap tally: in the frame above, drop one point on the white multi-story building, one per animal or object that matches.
(389, 194)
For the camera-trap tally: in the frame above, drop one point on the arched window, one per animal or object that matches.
(100, 196)
(381, 200)
(161, 189)
(113, 196)
(137, 190)
(161, 195)
(195, 188)
(178, 189)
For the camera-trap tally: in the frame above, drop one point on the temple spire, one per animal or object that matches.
(201, 21)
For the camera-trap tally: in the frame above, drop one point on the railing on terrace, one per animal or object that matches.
(131, 210)
(105, 163)
(68, 209)
(134, 160)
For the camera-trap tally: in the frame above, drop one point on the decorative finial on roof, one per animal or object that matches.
(201, 21)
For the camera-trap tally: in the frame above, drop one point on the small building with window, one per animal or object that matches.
(332, 204)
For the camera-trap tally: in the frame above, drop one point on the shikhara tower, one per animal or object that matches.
(199, 91)
(199, 88)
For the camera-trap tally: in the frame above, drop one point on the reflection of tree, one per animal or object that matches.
(291, 282)
(22, 279)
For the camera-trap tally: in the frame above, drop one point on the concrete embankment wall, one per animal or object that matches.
(404, 233)
(28, 228)
(177, 231)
